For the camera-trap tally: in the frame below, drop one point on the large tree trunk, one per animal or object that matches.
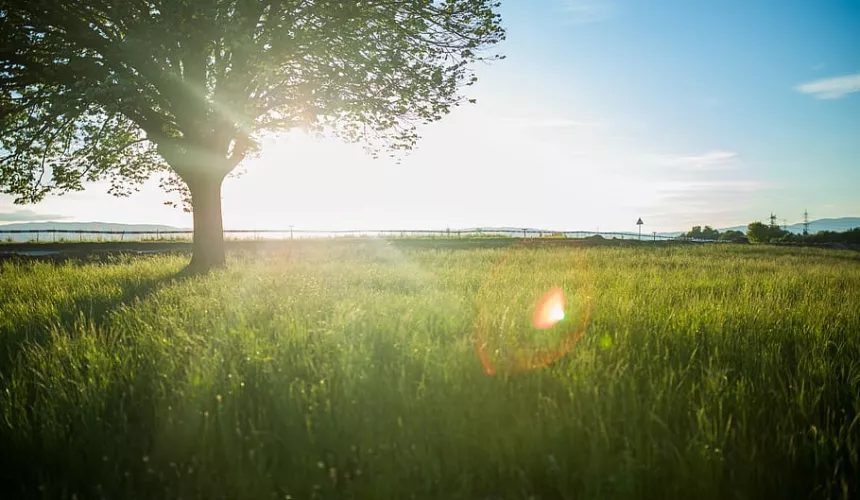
(208, 248)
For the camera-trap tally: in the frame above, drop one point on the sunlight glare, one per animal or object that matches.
(549, 310)
(557, 313)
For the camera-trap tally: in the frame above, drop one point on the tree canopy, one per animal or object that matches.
(697, 233)
(123, 89)
(734, 236)
(762, 233)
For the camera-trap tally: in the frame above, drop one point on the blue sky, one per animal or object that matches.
(679, 112)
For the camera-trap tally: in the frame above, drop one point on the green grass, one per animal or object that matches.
(349, 370)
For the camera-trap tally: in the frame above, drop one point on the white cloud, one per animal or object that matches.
(831, 88)
(587, 11)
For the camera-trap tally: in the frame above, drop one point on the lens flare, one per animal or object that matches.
(549, 310)
(525, 320)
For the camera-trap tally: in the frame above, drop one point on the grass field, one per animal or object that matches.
(349, 370)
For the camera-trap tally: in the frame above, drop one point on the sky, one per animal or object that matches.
(680, 112)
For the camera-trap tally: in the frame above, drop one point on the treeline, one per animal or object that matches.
(758, 232)
(762, 233)
(709, 233)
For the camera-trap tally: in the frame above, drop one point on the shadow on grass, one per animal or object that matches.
(84, 309)
(65, 438)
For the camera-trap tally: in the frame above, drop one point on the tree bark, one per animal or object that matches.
(208, 248)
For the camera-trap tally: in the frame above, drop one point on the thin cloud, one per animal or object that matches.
(831, 88)
(715, 203)
(708, 196)
(711, 160)
(587, 11)
(728, 187)
(29, 216)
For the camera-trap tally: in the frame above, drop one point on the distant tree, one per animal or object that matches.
(777, 233)
(758, 232)
(710, 233)
(697, 233)
(852, 236)
(124, 89)
(761, 233)
(733, 236)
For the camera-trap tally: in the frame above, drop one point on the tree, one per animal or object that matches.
(697, 233)
(761, 233)
(710, 233)
(758, 232)
(851, 236)
(733, 236)
(126, 89)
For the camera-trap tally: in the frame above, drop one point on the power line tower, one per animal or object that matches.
(805, 222)
(772, 220)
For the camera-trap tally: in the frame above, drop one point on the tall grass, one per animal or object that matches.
(349, 370)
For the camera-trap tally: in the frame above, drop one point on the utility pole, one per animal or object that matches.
(805, 222)
(772, 220)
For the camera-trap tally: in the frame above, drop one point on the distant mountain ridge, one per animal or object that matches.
(830, 224)
(74, 226)
(86, 226)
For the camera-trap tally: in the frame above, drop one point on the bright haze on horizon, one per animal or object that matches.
(604, 111)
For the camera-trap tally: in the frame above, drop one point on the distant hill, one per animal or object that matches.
(75, 226)
(530, 231)
(501, 230)
(839, 225)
